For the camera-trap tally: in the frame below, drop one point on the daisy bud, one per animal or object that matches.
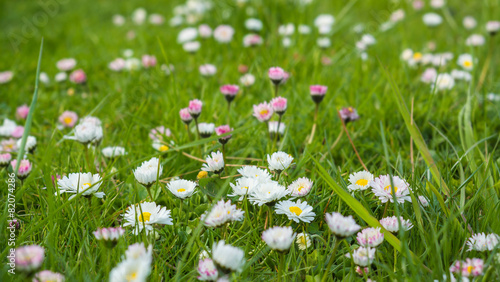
(14, 224)
(342, 227)
(18, 131)
(492, 27)
(207, 270)
(78, 76)
(348, 114)
(29, 258)
(221, 130)
(363, 256)
(215, 163)
(276, 74)
(279, 105)
(109, 235)
(263, 111)
(195, 108)
(5, 159)
(317, 92)
(251, 40)
(370, 237)
(148, 171)
(66, 64)
(206, 129)
(207, 70)
(68, 118)
(279, 238)
(24, 168)
(227, 258)
(185, 116)
(391, 224)
(22, 111)
(158, 133)
(229, 91)
(48, 276)
(148, 61)
(30, 145)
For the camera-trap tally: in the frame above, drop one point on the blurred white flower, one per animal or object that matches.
(432, 19)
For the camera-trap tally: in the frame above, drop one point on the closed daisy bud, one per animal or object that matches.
(279, 161)
(147, 173)
(144, 215)
(195, 108)
(341, 226)
(296, 211)
(85, 183)
(360, 180)
(221, 130)
(29, 258)
(276, 74)
(492, 27)
(349, 114)
(5, 159)
(202, 174)
(78, 76)
(215, 163)
(24, 168)
(181, 188)
(206, 129)
(279, 238)
(279, 105)
(303, 241)
(229, 91)
(48, 276)
(370, 237)
(185, 116)
(263, 111)
(318, 93)
(227, 258)
(207, 270)
(300, 187)
(363, 256)
(391, 224)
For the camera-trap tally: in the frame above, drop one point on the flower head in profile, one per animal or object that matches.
(66, 64)
(303, 241)
(48, 276)
(383, 189)
(263, 111)
(185, 116)
(318, 92)
(147, 173)
(148, 61)
(222, 213)
(483, 242)
(24, 168)
(195, 108)
(349, 114)
(251, 40)
(276, 74)
(492, 27)
(85, 184)
(214, 163)
(206, 129)
(279, 238)
(273, 129)
(370, 237)
(279, 105)
(363, 256)
(223, 33)
(30, 145)
(29, 258)
(182, 188)
(341, 226)
(5, 159)
(221, 130)
(391, 223)
(444, 81)
(109, 235)
(207, 70)
(22, 111)
(227, 257)
(468, 268)
(360, 180)
(207, 270)
(229, 91)
(297, 211)
(113, 152)
(432, 19)
(300, 187)
(268, 193)
(144, 215)
(279, 161)
(68, 118)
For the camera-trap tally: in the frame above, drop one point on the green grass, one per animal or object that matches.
(455, 136)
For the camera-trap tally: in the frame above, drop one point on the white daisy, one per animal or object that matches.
(148, 172)
(243, 186)
(370, 237)
(360, 180)
(481, 242)
(223, 33)
(228, 257)
(215, 163)
(267, 193)
(341, 226)
(363, 256)
(303, 241)
(279, 161)
(391, 223)
(381, 187)
(296, 211)
(279, 238)
(113, 152)
(466, 61)
(261, 175)
(300, 187)
(182, 188)
(143, 215)
(207, 270)
(222, 213)
(84, 183)
(30, 144)
(136, 266)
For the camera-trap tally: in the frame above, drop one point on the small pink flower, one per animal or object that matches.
(207, 270)
(22, 111)
(370, 237)
(229, 91)
(185, 115)
(117, 64)
(418, 5)
(263, 111)
(109, 234)
(148, 61)
(5, 159)
(429, 75)
(8, 145)
(18, 132)
(29, 258)
(158, 133)
(24, 168)
(6, 76)
(251, 40)
(279, 105)
(318, 92)
(221, 130)
(205, 31)
(349, 114)
(68, 118)
(195, 108)
(469, 267)
(276, 74)
(362, 270)
(66, 64)
(78, 76)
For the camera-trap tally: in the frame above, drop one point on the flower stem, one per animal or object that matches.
(276, 88)
(197, 129)
(282, 266)
(313, 130)
(332, 258)
(228, 112)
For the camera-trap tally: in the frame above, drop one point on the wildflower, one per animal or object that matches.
(227, 257)
(160, 146)
(223, 33)
(66, 64)
(263, 111)
(48, 276)
(221, 130)
(382, 188)
(370, 237)
(429, 75)
(279, 161)
(182, 188)
(253, 24)
(244, 186)
(444, 81)
(324, 23)
(78, 76)
(323, 42)
(8, 145)
(276, 74)
(195, 108)
(461, 75)
(147, 173)
(492, 27)
(84, 183)
(205, 31)
(391, 223)
(136, 268)
(423, 201)
(363, 256)
(6, 76)
(469, 22)
(360, 180)
(156, 19)
(215, 163)
(187, 35)
(22, 111)
(159, 132)
(185, 116)
(24, 168)
(229, 91)
(207, 270)
(466, 61)
(349, 114)
(206, 129)
(5, 159)
(303, 241)
(87, 132)
(109, 235)
(481, 242)
(279, 238)
(296, 211)
(268, 193)
(279, 105)
(247, 80)
(144, 215)
(148, 61)
(432, 19)
(113, 152)
(300, 187)
(30, 144)
(341, 226)
(222, 213)
(468, 268)
(251, 40)
(29, 258)
(8, 127)
(475, 40)
(286, 29)
(207, 70)
(304, 29)
(318, 92)
(191, 47)
(261, 175)
(18, 132)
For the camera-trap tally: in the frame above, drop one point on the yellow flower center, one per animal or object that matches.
(244, 187)
(469, 269)
(362, 182)
(467, 64)
(303, 240)
(68, 120)
(264, 112)
(388, 188)
(163, 148)
(350, 109)
(131, 276)
(144, 217)
(300, 187)
(181, 190)
(417, 56)
(296, 210)
(86, 185)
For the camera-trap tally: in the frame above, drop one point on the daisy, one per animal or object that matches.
(481, 242)
(186, 35)
(7, 128)
(363, 256)
(207, 270)
(78, 76)
(30, 144)
(286, 29)
(144, 215)
(223, 33)
(279, 105)
(279, 161)
(109, 234)
(185, 116)
(250, 171)
(191, 47)
(263, 111)
(469, 22)
(370, 237)
(87, 132)
(276, 74)
(182, 188)
(300, 187)
(84, 183)
(251, 40)
(221, 130)
(382, 188)
(279, 238)
(5, 159)
(461, 75)
(247, 79)
(244, 186)
(348, 114)
(205, 31)
(215, 163)
(468, 268)
(273, 128)
(429, 75)
(160, 146)
(222, 213)
(253, 24)
(148, 61)
(423, 201)
(475, 40)
(391, 223)
(466, 61)
(8, 145)
(136, 270)
(206, 129)
(492, 27)
(207, 70)
(29, 258)
(432, 19)
(227, 257)
(296, 211)
(195, 108)
(318, 92)
(66, 64)
(113, 152)
(303, 241)
(159, 132)
(6, 76)
(360, 180)
(323, 42)
(22, 111)
(268, 193)
(341, 226)
(48, 276)
(147, 173)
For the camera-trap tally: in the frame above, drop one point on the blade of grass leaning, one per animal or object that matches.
(29, 119)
